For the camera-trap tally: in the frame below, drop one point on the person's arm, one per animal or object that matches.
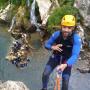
(51, 41)
(75, 50)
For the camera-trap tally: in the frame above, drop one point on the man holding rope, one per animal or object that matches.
(66, 45)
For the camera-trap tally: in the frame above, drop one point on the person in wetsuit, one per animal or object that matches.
(66, 45)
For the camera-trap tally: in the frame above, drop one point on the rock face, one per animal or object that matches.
(13, 85)
(44, 6)
(20, 21)
(84, 7)
(84, 62)
(5, 14)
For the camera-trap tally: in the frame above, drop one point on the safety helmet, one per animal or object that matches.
(68, 20)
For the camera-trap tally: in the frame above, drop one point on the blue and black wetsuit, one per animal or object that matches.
(71, 49)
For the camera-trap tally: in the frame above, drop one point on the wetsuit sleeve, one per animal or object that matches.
(75, 50)
(51, 40)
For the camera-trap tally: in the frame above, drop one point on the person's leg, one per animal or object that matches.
(52, 63)
(65, 78)
(45, 77)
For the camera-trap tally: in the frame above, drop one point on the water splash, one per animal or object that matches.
(33, 17)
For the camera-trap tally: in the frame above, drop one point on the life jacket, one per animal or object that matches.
(67, 45)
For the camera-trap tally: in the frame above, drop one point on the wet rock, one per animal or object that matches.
(32, 28)
(84, 62)
(84, 70)
(20, 22)
(4, 13)
(4, 22)
(13, 85)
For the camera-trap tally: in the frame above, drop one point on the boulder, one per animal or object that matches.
(6, 14)
(13, 85)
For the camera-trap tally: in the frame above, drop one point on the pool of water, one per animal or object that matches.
(32, 74)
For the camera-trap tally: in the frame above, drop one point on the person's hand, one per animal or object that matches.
(57, 47)
(61, 67)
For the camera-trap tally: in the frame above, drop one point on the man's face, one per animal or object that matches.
(67, 30)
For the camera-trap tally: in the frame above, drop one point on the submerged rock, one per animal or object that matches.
(13, 85)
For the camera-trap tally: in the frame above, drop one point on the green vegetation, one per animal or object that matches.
(20, 2)
(16, 4)
(66, 7)
(66, 2)
(3, 3)
(58, 13)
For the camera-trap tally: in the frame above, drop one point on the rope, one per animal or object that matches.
(57, 82)
(58, 78)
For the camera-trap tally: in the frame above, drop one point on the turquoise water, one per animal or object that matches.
(5, 41)
(32, 74)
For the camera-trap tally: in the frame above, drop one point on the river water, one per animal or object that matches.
(31, 75)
